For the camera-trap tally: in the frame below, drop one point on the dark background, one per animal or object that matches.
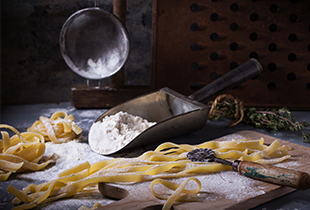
(32, 68)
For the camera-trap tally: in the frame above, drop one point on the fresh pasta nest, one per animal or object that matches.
(60, 128)
(21, 152)
(167, 161)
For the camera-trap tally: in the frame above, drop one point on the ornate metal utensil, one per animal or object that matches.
(276, 175)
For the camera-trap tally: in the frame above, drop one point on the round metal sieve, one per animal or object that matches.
(94, 43)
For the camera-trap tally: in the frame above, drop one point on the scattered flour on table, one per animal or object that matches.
(116, 131)
(48, 112)
(70, 154)
(93, 114)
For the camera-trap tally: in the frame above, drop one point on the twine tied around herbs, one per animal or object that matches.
(226, 106)
(238, 109)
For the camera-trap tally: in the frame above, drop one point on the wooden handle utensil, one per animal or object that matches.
(281, 176)
(276, 175)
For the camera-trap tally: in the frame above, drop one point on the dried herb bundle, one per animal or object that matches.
(263, 119)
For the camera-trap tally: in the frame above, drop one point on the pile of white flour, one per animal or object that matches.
(115, 131)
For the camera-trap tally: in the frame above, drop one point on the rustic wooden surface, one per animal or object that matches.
(131, 198)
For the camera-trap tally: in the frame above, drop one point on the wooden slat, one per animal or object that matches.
(106, 97)
(119, 10)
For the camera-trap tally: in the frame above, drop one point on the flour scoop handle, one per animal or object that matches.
(250, 69)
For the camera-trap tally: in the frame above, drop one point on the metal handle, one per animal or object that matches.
(96, 3)
(281, 176)
(242, 73)
(93, 87)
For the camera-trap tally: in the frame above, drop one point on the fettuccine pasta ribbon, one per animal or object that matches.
(21, 152)
(180, 193)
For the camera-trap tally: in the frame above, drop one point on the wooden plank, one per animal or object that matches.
(119, 10)
(138, 195)
(106, 97)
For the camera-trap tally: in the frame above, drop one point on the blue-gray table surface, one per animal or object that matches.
(22, 117)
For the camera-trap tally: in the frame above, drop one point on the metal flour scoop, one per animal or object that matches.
(175, 113)
(94, 43)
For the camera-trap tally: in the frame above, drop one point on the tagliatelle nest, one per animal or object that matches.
(22, 152)
(60, 128)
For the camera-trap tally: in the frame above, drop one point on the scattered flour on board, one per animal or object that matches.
(290, 164)
(116, 131)
(230, 137)
(231, 185)
(214, 187)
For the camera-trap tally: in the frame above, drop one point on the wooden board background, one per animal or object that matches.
(138, 196)
(282, 77)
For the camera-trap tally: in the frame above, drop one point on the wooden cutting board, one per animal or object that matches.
(222, 190)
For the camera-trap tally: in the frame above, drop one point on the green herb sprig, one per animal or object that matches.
(275, 119)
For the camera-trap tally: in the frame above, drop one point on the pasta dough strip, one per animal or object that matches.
(6, 140)
(75, 169)
(9, 166)
(190, 195)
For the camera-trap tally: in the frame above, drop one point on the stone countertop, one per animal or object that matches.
(23, 116)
